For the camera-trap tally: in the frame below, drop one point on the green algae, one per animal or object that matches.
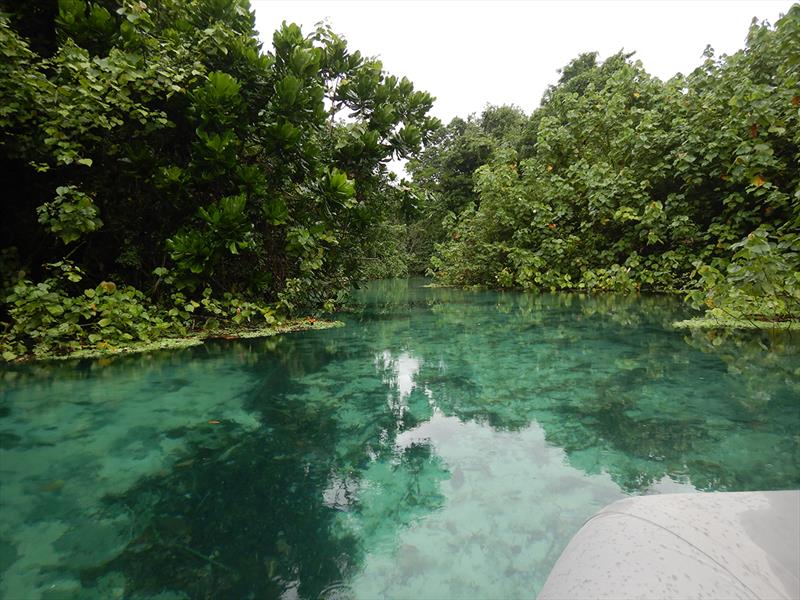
(731, 323)
(106, 350)
(289, 327)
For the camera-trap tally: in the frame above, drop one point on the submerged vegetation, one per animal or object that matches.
(169, 177)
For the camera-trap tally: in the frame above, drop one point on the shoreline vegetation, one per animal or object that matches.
(195, 339)
(709, 321)
(622, 182)
(737, 324)
(170, 176)
(167, 170)
(727, 322)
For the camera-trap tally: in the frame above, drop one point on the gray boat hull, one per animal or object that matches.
(705, 545)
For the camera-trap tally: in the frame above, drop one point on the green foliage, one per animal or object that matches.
(445, 171)
(196, 252)
(209, 163)
(622, 182)
(57, 316)
(387, 255)
(70, 215)
(338, 187)
(760, 283)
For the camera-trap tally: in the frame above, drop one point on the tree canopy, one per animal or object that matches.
(165, 171)
(621, 181)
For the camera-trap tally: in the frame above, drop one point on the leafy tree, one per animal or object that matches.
(156, 145)
(620, 181)
(444, 171)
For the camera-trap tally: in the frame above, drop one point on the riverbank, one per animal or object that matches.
(102, 350)
(706, 321)
(752, 324)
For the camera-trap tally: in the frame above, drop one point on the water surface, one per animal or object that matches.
(444, 444)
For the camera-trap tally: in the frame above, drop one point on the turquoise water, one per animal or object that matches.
(444, 444)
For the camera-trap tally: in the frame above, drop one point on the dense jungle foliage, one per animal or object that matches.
(163, 172)
(621, 181)
(167, 174)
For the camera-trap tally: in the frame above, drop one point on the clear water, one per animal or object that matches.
(444, 444)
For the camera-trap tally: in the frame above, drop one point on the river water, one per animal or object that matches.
(443, 444)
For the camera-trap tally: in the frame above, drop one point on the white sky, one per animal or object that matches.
(469, 53)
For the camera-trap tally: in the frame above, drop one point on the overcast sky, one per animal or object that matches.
(470, 53)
